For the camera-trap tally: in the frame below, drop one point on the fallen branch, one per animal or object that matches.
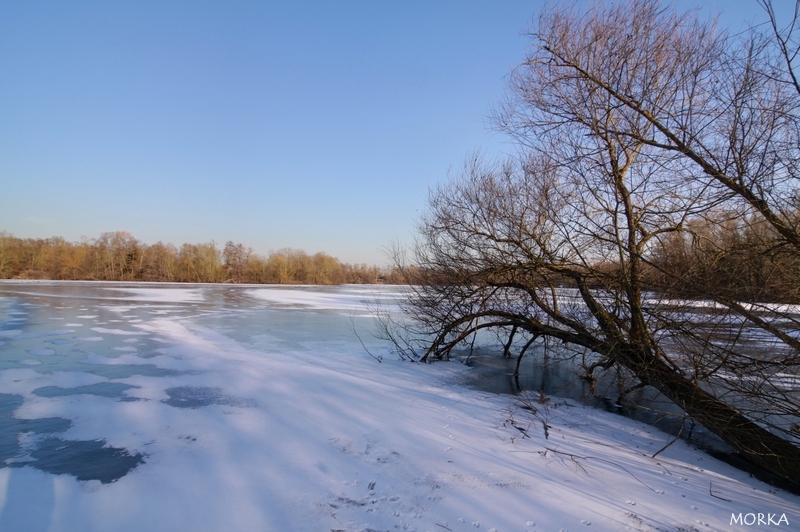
(711, 492)
(574, 458)
(677, 437)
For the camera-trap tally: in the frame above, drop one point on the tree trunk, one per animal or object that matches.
(754, 442)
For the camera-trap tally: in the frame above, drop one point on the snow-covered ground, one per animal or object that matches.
(258, 409)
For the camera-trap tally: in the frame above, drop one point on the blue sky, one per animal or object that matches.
(313, 125)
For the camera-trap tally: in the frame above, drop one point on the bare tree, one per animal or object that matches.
(236, 257)
(635, 124)
(118, 256)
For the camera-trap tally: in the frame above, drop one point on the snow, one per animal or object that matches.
(302, 298)
(162, 294)
(301, 429)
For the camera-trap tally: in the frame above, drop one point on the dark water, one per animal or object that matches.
(11, 427)
(200, 396)
(102, 389)
(86, 460)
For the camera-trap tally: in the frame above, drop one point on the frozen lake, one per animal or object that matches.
(95, 339)
(220, 407)
(94, 375)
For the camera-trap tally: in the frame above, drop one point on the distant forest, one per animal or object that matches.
(119, 256)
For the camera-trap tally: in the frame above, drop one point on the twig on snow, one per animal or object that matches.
(711, 492)
(677, 437)
(574, 458)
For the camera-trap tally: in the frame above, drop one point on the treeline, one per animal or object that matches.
(119, 256)
(729, 255)
(722, 255)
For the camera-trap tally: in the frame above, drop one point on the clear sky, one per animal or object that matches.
(316, 125)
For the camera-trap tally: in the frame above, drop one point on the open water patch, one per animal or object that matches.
(125, 371)
(200, 396)
(11, 427)
(75, 362)
(59, 341)
(102, 389)
(85, 460)
(41, 352)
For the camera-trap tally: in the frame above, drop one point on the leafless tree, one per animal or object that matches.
(236, 257)
(636, 124)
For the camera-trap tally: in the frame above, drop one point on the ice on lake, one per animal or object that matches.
(134, 407)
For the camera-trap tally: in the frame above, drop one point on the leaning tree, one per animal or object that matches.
(637, 125)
